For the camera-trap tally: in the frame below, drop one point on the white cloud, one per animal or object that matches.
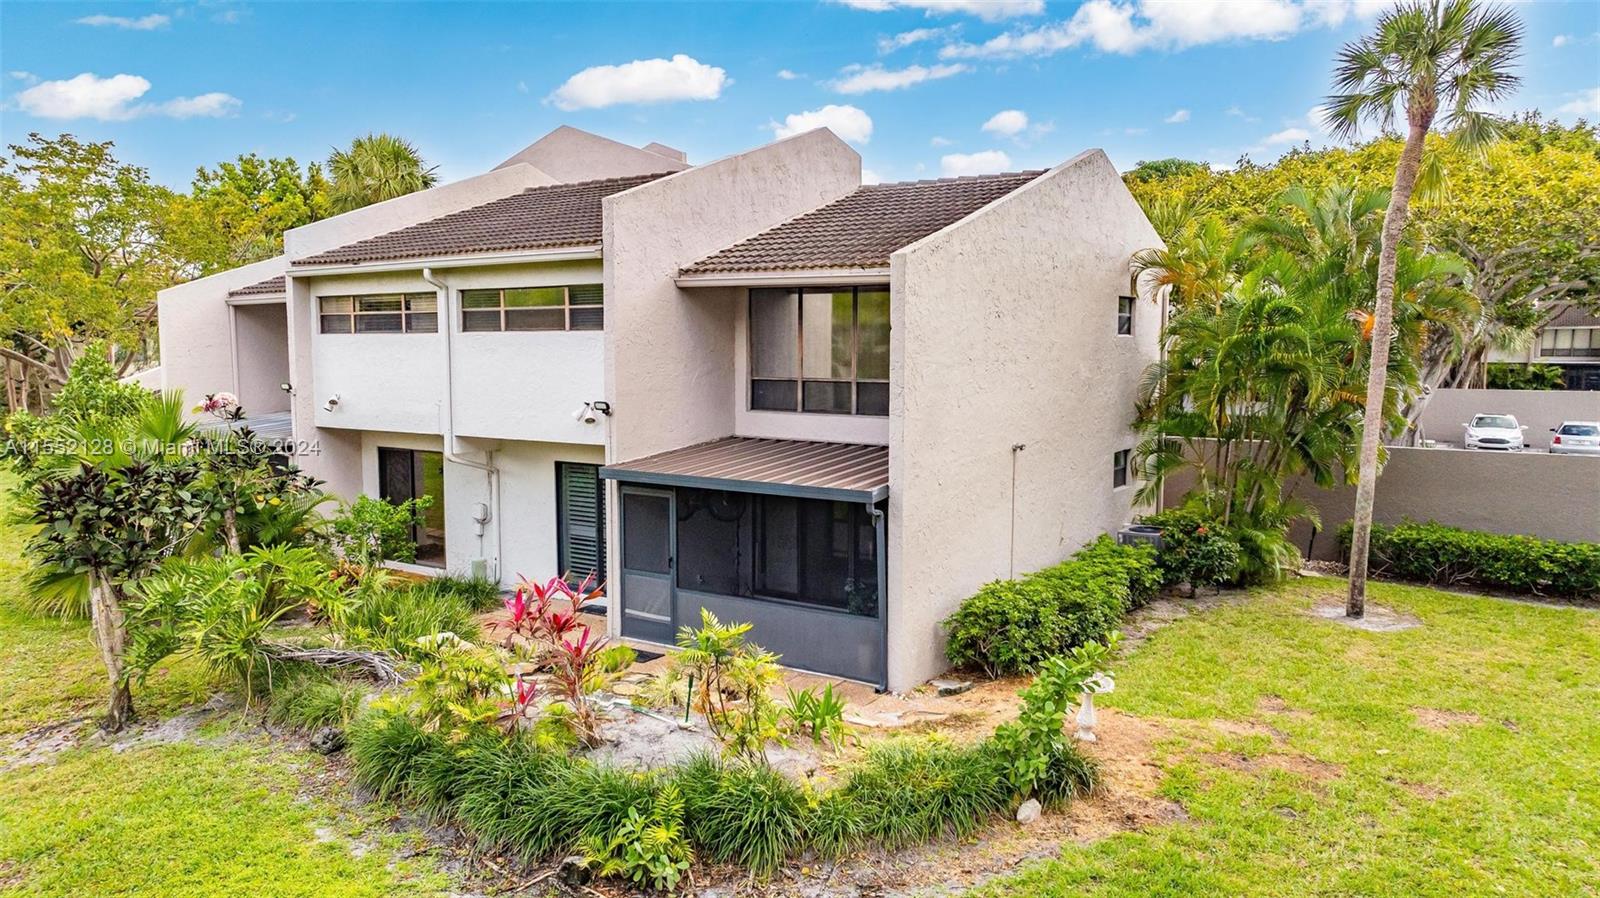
(981, 163)
(848, 122)
(1134, 132)
(641, 81)
(868, 176)
(914, 36)
(1235, 112)
(1287, 135)
(1178, 117)
(987, 10)
(1561, 40)
(24, 77)
(1127, 26)
(787, 75)
(143, 23)
(1007, 122)
(111, 99)
(857, 79)
(1587, 103)
(211, 105)
(937, 141)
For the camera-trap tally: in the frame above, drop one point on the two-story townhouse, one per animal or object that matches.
(840, 426)
(829, 409)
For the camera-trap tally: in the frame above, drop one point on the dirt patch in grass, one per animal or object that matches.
(1376, 619)
(1274, 704)
(1299, 765)
(1440, 719)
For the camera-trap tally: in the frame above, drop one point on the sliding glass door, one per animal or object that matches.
(412, 474)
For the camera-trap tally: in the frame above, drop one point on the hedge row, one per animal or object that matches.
(1012, 626)
(1449, 556)
(515, 797)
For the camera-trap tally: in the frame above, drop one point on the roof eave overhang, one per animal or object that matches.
(655, 478)
(815, 277)
(555, 254)
(244, 299)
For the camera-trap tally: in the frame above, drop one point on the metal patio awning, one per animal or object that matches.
(845, 472)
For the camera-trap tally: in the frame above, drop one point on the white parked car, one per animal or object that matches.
(1498, 432)
(1576, 438)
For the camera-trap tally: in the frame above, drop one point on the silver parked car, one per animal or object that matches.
(1576, 438)
(1498, 432)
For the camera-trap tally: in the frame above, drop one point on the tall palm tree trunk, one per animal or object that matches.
(1394, 222)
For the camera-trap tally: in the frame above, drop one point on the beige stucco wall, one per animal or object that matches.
(527, 501)
(1540, 410)
(1004, 333)
(1527, 494)
(669, 352)
(194, 318)
(516, 386)
(569, 154)
(261, 353)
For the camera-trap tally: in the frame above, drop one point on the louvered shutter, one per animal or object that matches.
(581, 516)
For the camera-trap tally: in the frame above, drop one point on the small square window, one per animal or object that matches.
(1119, 467)
(1124, 316)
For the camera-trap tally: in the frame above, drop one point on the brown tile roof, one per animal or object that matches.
(861, 229)
(539, 217)
(849, 472)
(268, 287)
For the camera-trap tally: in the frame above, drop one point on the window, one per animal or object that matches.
(411, 474)
(1119, 467)
(575, 308)
(810, 551)
(383, 313)
(580, 523)
(820, 350)
(1569, 341)
(1124, 316)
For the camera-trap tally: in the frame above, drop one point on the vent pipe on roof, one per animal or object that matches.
(487, 466)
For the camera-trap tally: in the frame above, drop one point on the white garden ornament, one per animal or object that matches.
(1101, 682)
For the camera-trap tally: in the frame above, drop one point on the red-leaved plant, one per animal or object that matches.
(544, 626)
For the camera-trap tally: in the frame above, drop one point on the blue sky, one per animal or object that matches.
(963, 86)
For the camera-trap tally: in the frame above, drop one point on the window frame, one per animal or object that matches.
(355, 314)
(800, 379)
(1550, 338)
(567, 306)
(1125, 318)
(1121, 469)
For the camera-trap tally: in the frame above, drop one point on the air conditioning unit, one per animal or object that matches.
(1139, 534)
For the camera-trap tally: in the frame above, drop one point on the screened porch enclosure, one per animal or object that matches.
(795, 548)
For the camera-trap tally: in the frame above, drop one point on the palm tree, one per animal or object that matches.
(377, 167)
(1424, 57)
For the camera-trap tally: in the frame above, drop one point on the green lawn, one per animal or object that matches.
(224, 811)
(1501, 797)
(1460, 758)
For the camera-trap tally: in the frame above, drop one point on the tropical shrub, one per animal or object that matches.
(732, 685)
(744, 812)
(1037, 759)
(555, 639)
(381, 613)
(1195, 548)
(310, 700)
(372, 531)
(1523, 376)
(1448, 556)
(818, 716)
(911, 790)
(1014, 626)
(648, 848)
(479, 593)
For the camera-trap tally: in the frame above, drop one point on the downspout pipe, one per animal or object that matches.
(880, 526)
(487, 466)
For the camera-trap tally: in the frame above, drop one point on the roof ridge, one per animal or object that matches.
(651, 176)
(956, 179)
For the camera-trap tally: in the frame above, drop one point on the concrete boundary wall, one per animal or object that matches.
(1540, 410)
(1528, 494)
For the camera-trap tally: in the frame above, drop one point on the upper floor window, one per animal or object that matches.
(1124, 316)
(1569, 341)
(1120, 462)
(820, 350)
(575, 308)
(384, 313)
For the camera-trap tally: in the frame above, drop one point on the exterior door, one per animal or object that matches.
(580, 523)
(649, 567)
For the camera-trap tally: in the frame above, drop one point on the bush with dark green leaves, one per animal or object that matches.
(1524, 376)
(1013, 626)
(1195, 549)
(1449, 556)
